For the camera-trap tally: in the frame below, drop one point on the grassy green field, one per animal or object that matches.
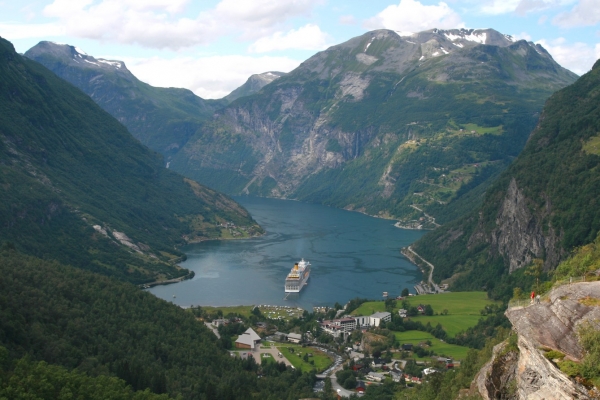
(457, 303)
(463, 309)
(370, 307)
(440, 348)
(240, 310)
(452, 324)
(320, 359)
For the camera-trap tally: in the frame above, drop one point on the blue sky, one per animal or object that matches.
(212, 46)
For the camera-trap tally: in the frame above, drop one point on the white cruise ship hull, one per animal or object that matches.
(298, 277)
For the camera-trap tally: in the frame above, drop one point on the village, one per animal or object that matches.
(351, 350)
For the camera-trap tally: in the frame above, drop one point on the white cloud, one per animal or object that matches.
(308, 37)
(348, 20)
(411, 15)
(28, 31)
(522, 36)
(520, 7)
(577, 57)
(163, 24)
(257, 18)
(210, 77)
(585, 13)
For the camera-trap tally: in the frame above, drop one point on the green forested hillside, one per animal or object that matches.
(98, 326)
(543, 206)
(77, 187)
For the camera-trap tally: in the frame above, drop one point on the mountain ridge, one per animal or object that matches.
(366, 105)
(162, 118)
(253, 84)
(77, 187)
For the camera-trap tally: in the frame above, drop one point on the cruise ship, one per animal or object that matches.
(297, 277)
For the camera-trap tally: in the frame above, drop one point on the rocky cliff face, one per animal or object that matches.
(520, 232)
(550, 325)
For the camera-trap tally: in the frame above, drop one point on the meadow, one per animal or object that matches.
(463, 309)
(440, 348)
(320, 359)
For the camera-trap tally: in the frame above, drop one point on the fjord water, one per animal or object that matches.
(352, 255)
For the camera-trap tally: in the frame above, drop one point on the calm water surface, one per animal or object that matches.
(352, 255)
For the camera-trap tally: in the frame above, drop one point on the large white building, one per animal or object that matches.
(344, 326)
(379, 317)
(373, 320)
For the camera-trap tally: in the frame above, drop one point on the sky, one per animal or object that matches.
(211, 47)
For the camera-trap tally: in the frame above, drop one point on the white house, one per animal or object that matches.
(375, 376)
(247, 340)
(380, 317)
(294, 337)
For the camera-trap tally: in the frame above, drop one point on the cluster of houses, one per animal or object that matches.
(393, 372)
(342, 327)
(250, 339)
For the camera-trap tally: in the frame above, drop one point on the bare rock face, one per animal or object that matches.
(550, 324)
(497, 378)
(553, 323)
(520, 236)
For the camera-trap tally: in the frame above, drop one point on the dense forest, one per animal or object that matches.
(101, 327)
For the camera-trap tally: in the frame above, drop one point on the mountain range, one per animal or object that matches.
(407, 127)
(77, 187)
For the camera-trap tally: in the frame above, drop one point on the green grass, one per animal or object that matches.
(321, 360)
(440, 348)
(452, 324)
(244, 311)
(368, 308)
(463, 309)
(457, 303)
(592, 145)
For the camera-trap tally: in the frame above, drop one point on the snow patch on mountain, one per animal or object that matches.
(471, 37)
(116, 64)
(77, 49)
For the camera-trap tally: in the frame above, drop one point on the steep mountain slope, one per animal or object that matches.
(253, 85)
(161, 118)
(543, 206)
(382, 123)
(77, 187)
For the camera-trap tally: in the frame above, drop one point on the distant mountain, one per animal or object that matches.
(161, 118)
(77, 187)
(396, 126)
(543, 206)
(253, 85)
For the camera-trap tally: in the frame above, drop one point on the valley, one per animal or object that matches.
(482, 146)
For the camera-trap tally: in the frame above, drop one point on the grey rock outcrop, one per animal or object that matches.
(551, 324)
(519, 233)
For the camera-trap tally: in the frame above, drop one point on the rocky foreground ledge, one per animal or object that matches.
(550, 325)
